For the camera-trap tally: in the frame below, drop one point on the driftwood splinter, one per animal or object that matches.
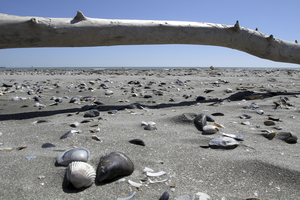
(81, 31)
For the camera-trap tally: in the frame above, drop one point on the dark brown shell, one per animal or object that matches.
(200, 121)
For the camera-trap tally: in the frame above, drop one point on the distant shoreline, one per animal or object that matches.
(142, 68)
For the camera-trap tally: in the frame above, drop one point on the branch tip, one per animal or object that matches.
(79, 16)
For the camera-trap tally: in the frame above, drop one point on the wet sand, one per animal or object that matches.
(259, 167)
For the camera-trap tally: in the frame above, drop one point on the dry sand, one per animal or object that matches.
(259, 167)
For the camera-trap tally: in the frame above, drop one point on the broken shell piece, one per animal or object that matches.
(75, 124)
(245, 123)
(95, 130)
(210, 129)
(218, 125)
(203, 196)
(127, 198)
(245, 116)
(134, 184)
(260, 112)
(150, 127)
(75, 154)
(147, 169)
(156, 174)
(95, 137)
(80, 174)
(6, 149)
(161, 181)
(233, 136)
(70, 133)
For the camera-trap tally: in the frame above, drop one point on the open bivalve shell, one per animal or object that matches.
(75, 154)
(80, 174)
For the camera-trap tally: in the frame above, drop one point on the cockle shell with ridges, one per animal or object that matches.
(80, 174)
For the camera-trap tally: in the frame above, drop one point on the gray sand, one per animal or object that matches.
(258, 167)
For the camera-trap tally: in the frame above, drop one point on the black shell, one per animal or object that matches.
(113, 166)
(200, 121)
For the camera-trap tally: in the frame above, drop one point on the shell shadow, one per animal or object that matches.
(69, 188)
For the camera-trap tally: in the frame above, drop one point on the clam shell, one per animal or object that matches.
(76, 154)
(80, 174)
(114, 165)
(223, 142)
(269, 123)
(210, 129)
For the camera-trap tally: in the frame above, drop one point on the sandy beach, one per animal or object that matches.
(265, 164)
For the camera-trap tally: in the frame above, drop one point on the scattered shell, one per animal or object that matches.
(150, 127)
(6, 149)
(109, 92)
(223, 142)
(288, 137)
(127, 198)
(80, 174)
(70, 133)
(75, 154)
(233, 136)
(30, 157)
(22, 147)
(95, 130)
(278, 128)
(95, 137)
(203, 196)
(269, 123)
(164, 196)
(48, 145)
(245, 123)
(260, 112)
(137, 142)
(134, 184)
(160, 181)
(200, 121)
(218, 125)
(75, 124)
(87, 120)
(271, 135)
(217, 114)
(210, 129)
(114, 165)
(147, 169)
(274, 118)
(245, 116)
(92, 113)
(152, 174)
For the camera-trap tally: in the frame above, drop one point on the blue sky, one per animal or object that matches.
(277, 17)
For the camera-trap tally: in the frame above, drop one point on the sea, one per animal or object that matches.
(141, 68)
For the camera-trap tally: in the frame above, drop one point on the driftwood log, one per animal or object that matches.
(81, 31)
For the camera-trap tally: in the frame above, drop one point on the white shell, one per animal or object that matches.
(156, 174)
(134, 184)
(80, 174)
(75, 154)
(210, 129)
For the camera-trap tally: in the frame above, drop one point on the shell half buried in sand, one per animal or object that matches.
(223, 142)
(76, 154)
(80, 174)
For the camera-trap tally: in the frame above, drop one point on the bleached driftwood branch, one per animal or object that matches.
(81, 31)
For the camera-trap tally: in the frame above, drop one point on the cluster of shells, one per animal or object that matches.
(81, 174)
